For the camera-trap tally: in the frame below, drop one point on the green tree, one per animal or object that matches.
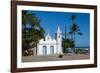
(67, 43)
(74, 29)
(31, 30)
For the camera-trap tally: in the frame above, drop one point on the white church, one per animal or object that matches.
(50, 46)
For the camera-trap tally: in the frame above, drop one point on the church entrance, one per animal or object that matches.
(44, 50)
(51, 50)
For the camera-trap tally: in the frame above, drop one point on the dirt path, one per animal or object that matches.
(54, 58)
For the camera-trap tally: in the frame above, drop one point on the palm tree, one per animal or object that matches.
(31, 30)
(74, 29)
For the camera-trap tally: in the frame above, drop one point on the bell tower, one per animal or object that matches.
(59, 40)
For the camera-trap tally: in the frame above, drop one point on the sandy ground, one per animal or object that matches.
(55, 58)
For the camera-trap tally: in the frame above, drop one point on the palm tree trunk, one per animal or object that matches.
(74, 43)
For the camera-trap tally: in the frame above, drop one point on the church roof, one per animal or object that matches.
(48, 37)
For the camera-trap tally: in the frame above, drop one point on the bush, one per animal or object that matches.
(60, 56)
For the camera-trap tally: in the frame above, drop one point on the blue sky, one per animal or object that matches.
(50, 20)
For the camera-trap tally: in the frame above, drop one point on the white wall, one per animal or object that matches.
(5, 36)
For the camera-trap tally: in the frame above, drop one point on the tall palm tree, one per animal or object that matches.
(74, 29)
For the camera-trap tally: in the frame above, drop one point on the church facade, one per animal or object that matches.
(50, 46)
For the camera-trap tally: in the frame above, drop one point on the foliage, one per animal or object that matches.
(74, 29)
(67, 43)
(31, 29)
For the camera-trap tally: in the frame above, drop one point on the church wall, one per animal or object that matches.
(48, 47)
(39, 50)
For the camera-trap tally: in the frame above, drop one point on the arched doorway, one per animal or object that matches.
(44, 50)
(51, 50)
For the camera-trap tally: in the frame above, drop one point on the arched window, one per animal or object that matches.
(44, 50)
(51, 49)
